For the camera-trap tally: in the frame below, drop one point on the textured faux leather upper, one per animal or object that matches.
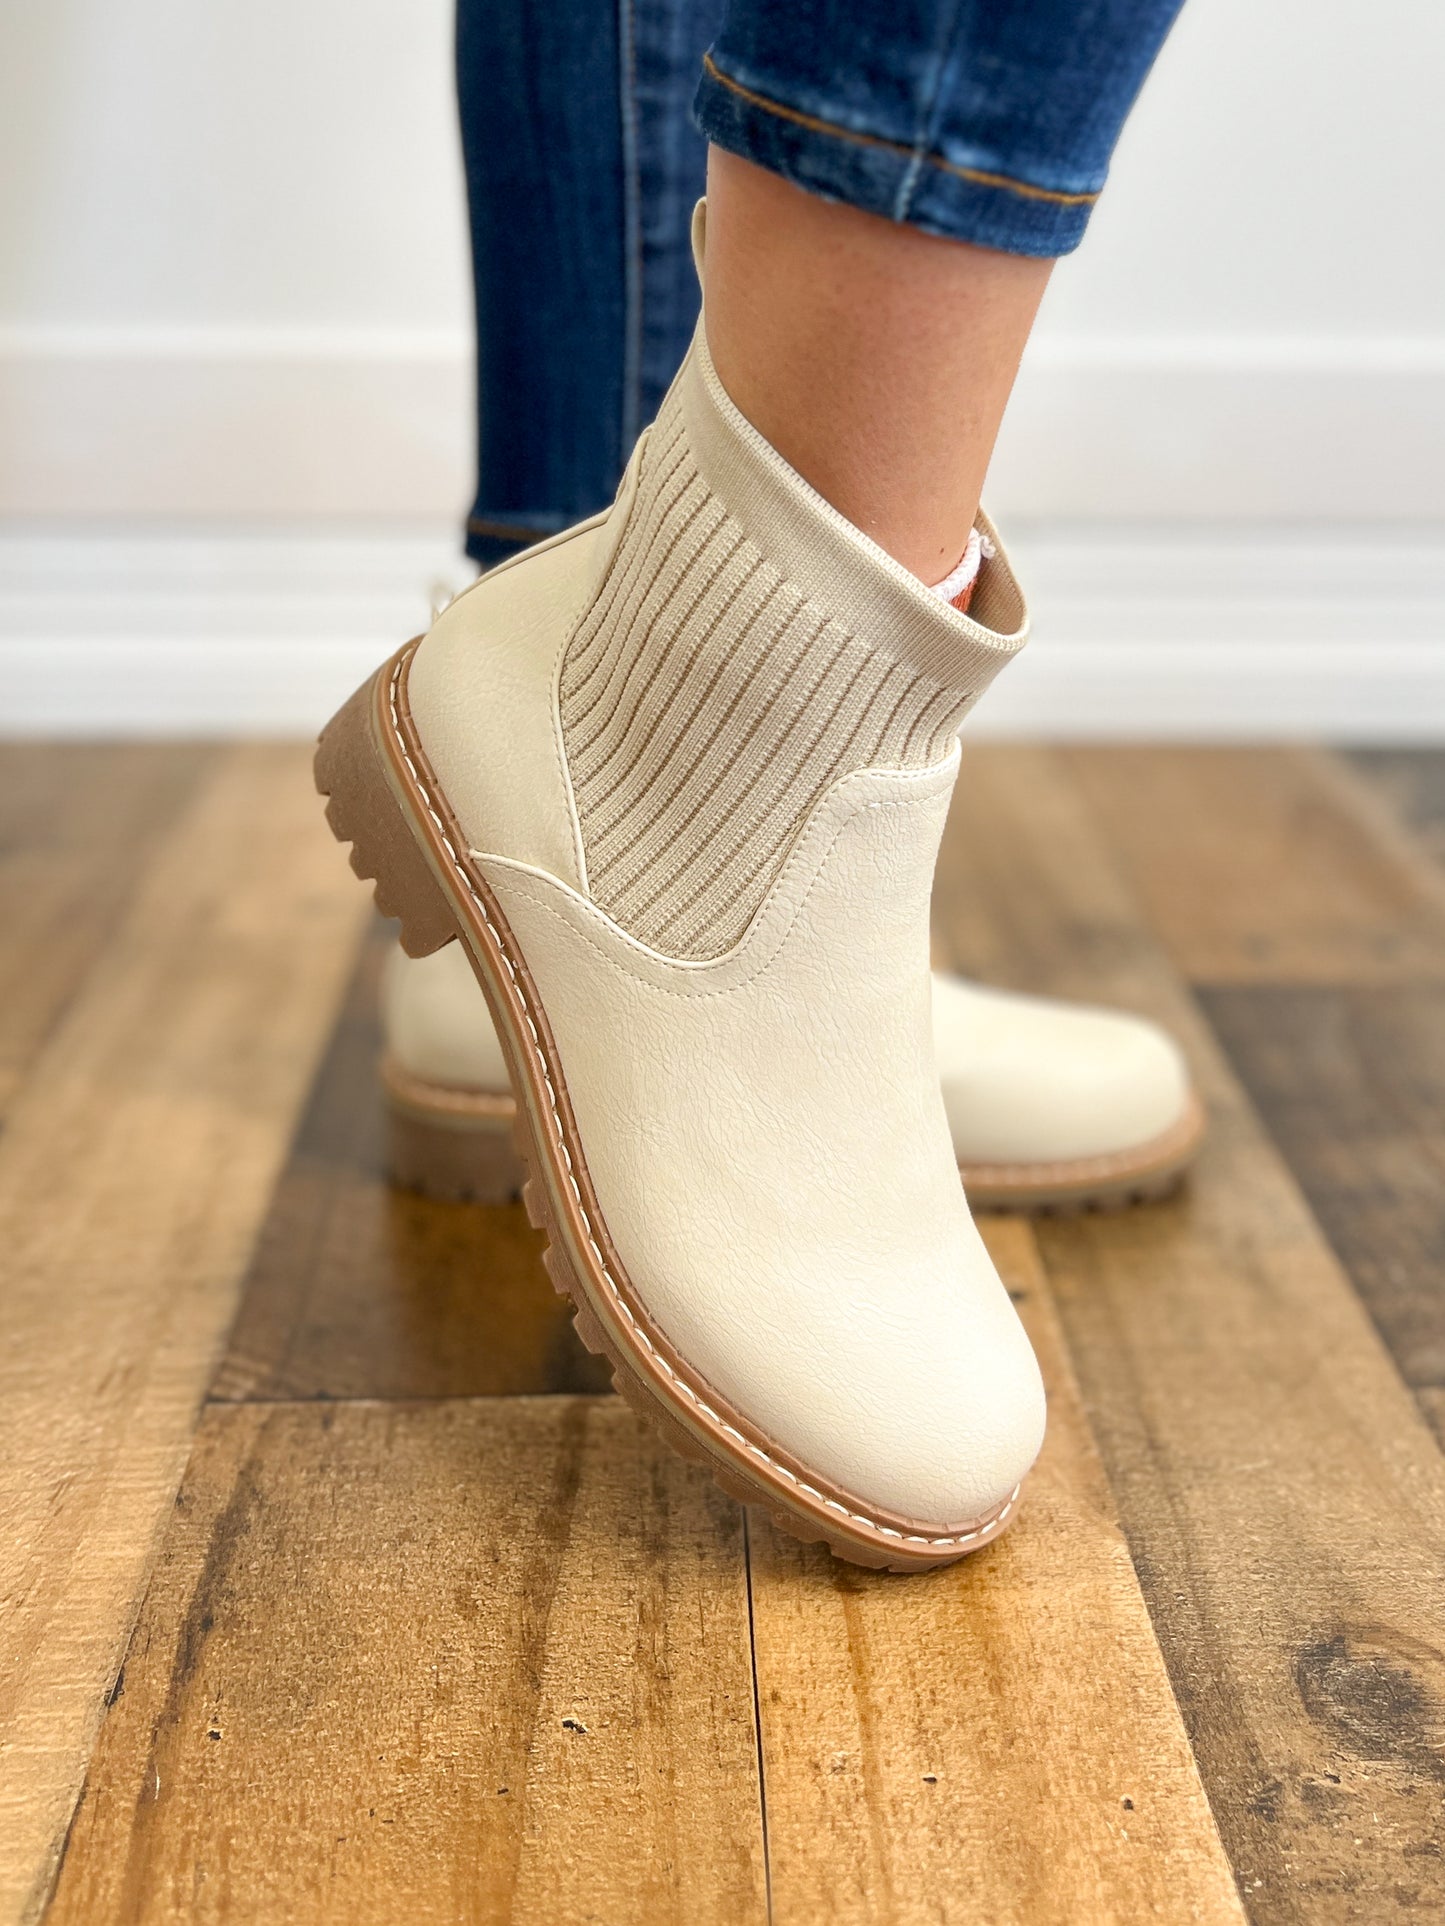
(483, 690)
(436, 1022)
(767, 1139)
(762, 1124)
(1026, 1080)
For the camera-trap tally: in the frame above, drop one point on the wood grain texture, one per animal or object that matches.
(134, 1171)
(369, 1617)
(1266, 865)
(359, 1290)
(994, 1743)
(1411, 782)
(1351, 1086)
(77, 823)
(1432, 1403)
(456, 1662)
(1284, 1502)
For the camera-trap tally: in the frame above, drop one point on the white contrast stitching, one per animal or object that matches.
(679, 1384)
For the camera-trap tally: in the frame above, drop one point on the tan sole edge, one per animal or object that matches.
(457, 1143)
(1140, 1175)
(384, 801)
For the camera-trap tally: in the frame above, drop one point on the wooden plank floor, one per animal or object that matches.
(335, 1585)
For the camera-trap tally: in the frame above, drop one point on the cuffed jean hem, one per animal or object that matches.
(491, 538)
(886, 177)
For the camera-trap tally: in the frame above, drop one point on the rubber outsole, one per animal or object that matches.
(384, 802)
(458, 1145)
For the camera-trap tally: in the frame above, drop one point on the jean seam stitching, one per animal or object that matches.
(976, 176)
(928, 119)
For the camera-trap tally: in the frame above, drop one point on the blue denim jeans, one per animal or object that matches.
(583, 166)
(989, 121)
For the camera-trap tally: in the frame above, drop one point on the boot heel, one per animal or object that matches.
(363, 810)
(451, 1161)
(451, 1143)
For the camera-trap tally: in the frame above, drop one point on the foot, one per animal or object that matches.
(676, 781)
(1052, 1106)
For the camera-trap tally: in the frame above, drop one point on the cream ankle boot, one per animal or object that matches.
(1051, 1105)
(676, 779)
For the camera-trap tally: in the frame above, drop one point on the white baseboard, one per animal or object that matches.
(1142, 632)
(1226, 430)
(219, 424)
(263, 423)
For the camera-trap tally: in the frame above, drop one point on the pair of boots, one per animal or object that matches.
(676, 779)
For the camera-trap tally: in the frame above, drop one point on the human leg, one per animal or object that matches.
(870, 322)
(876, 358)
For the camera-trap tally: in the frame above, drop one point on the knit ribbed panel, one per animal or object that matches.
(707, 702)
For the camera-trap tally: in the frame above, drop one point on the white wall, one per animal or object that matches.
(241, 165)
(1255, 325)
(233, 286)
(232, 274)
(1276, 179)
(232, 259)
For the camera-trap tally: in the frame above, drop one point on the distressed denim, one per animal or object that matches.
(991, 121)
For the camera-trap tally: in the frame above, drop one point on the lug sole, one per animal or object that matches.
(454, 1142)
(384, 801)
(459, 1145)
(1142, 1174)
